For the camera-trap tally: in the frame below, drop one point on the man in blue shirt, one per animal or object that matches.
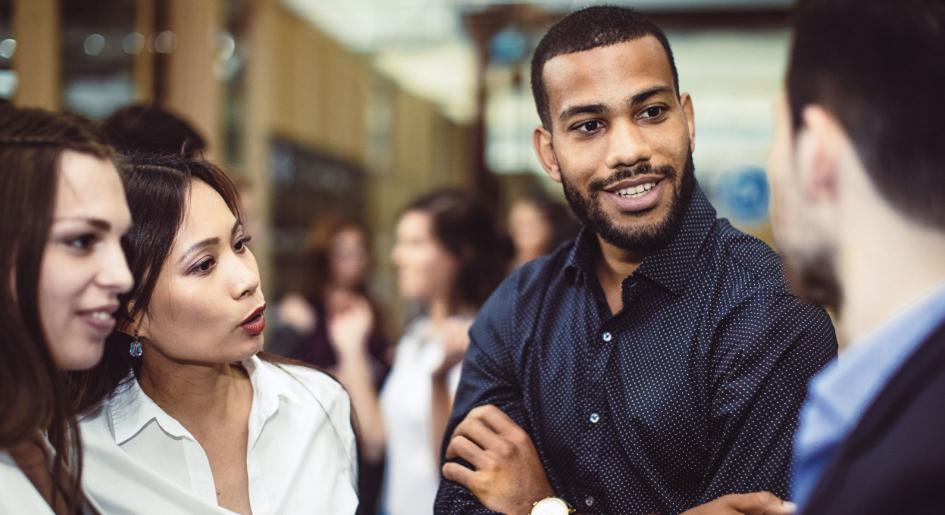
(657, 363)
(858, 176)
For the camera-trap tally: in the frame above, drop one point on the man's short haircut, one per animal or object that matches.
(587, 29)
(879, 67)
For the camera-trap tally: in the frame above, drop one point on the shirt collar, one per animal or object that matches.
(843, 391)
(671, 266)
(130, 409)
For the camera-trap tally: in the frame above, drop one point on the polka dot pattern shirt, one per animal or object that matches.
(690, 392)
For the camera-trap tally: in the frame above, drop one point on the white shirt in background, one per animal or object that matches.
(412, 473)
(301, 456)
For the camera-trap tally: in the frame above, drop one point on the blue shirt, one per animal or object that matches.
(690, 392)
(842, 392)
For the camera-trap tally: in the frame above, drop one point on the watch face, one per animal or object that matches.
(550, 506)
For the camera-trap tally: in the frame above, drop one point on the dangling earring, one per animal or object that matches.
(135, 347)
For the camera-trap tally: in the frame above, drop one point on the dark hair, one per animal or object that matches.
(33, 392)
(586, 29)
(856, 58)
(468, 230)
(151, 130)
(157, 188)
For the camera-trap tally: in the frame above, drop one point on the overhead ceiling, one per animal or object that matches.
(423, 46)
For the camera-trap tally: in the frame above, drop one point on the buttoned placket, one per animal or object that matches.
(601, 345)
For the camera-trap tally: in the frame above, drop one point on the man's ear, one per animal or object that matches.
(820, 145)
(686, 102)
(541, 140)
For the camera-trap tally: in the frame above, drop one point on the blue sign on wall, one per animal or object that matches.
(744, 194)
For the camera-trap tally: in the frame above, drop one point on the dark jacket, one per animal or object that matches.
(894, 460)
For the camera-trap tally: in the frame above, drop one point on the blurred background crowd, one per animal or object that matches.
(383, 151)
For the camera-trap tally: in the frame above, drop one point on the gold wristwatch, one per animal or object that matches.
(551, 506)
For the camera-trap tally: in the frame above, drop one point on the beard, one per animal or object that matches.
(813, 276)
(642, 238)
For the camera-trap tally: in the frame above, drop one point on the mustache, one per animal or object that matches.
(666, 171)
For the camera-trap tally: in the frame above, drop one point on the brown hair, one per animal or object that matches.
(467, 229)
(33, 391)
(157, 188)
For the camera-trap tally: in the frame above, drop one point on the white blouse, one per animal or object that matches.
(18, 495)
(412, 473)
(301, 454)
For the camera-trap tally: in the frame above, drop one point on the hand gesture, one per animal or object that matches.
(508, 475)
(455, 337)
(758, 503)
(297, 313)
(350, 320)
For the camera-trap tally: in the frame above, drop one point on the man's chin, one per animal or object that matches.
(813, 277)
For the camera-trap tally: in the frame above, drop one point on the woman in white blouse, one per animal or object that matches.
(185, 414)
(449, 258)
(62, 216)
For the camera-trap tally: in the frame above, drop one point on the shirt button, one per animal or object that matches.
(589, 501)
(607, 337)
(595, 418)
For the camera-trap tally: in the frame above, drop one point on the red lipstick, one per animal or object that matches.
(255, 322)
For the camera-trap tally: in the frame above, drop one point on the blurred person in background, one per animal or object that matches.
(537, 226)
(185, 414)
(449, 257)
(62, 269)
(857, 170)
(656, 364)
(151, 130)
(337, 275)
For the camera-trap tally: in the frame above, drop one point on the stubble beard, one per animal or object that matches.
(812, 274)
(641, 238)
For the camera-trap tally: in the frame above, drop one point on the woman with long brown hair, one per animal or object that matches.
(185, 414)
(449, 257)
(62, 215)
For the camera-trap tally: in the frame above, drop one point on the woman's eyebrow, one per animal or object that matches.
(197, 247)
(95, 222)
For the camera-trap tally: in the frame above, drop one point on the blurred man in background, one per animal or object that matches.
(657, 363)
(858, 177)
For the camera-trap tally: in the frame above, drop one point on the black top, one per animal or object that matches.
(894, 460)
(690, 392)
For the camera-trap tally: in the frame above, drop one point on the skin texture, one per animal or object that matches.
(83, 265)
(624, 132)
(637, 121)
(192, 335)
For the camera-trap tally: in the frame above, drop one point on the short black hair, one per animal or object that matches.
(879, 67)
(584, 30)
(149, 129)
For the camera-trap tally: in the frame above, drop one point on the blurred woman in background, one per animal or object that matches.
(184, 414)
(337, 269)
(449, 258)
(537, 226)
(62, 217)
(337, 275)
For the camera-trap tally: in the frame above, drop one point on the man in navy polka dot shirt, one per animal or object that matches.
(658, 363)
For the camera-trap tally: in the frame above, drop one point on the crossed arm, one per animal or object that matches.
(507, 475)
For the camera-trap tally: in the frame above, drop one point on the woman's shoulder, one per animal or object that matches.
(306, 383)
(18, 494)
